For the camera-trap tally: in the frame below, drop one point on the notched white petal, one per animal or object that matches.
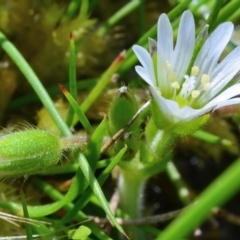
(213, 47)
(172, 110)
(142, 55)
(161, 101)
(143, 73)
(225, 95)
(226, 69)
(183, 114)
(185, 45)
(228, 102)
(165, 38)
(146, 60)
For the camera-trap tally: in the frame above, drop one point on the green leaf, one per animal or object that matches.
(44, 210)
(78, 234)
(34, 81)
(102, 83)
(94, 147)
(83, 163)
(81, 116)
(216, 194)
(87, 194)
(72, 79)
(25, 212)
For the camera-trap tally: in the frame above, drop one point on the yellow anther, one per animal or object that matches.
(195, 93)
(206, 86)
(172, 76)
(175, 85)
(195, 70)
(205, 79)
(168, 66)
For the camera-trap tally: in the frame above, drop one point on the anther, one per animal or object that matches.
(206, 86)
(175, 85)
(205, 79)
(195, 93)
(195, 70)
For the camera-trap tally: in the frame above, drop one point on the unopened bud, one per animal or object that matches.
(122, 109)
(28, 152)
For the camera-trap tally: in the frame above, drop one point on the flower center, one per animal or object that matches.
(188, 92)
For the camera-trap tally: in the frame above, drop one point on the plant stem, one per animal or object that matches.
(130, 192)
(131, 189)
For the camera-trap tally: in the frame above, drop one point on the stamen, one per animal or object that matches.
(206, 86)
(205, 79)
(168, 66)
(195, 70)
(175, 85)
(172, 76)
(195, 93)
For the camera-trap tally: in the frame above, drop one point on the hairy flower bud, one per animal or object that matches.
(122, 109)
(28, 152)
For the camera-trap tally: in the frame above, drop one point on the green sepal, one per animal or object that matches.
(154, 59)
(186, 128)
(160, 120)
(157, 144)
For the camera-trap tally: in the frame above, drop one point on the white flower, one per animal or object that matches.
(183, 89)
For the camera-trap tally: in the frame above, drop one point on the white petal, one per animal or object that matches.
(146, 60)
(213, 47)
(172, 110)
(194, 113)
(229, 102)
(164, 51)
(187, 113)
(222, 75)
(165, 38)
(185, 45)
(143, 73)
(162, 105)
(226, 70)
(143, 56)
(225, 95)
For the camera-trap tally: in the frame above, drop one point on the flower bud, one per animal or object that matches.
(28, 152)
(122, 109)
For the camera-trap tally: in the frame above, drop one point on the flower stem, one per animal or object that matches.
(131, 197)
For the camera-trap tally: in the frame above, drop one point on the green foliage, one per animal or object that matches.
(144, 148)
(79, 234)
